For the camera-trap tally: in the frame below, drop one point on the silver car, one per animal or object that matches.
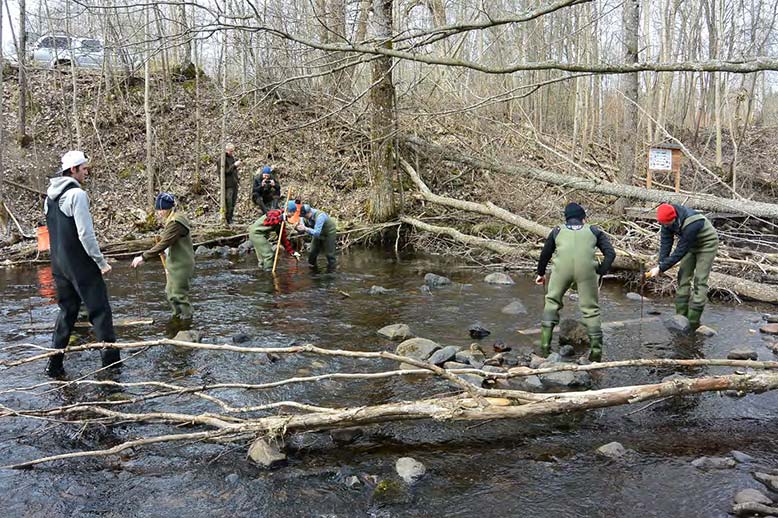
(60, 51)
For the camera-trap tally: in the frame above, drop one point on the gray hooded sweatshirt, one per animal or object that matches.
(75, 204)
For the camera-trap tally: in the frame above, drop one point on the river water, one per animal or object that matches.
(540, 468)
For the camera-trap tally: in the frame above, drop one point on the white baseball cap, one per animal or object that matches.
(73, 159)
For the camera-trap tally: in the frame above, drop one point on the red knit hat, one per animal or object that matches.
(273, 218)
(665, 214)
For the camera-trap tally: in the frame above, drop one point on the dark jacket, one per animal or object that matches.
(687, 237)
(263, 195)
(603, 243)
(230, 171)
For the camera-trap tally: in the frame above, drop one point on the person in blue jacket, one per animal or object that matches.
(320, 227)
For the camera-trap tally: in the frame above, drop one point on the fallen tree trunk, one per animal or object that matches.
(442, 409)
(707, 202)
(625, 260)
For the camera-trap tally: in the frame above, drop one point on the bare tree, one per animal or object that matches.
(630, 87)
(22, 138)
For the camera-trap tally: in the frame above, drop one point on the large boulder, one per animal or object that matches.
(436, 281)
(499, 278)
(417, 348)
(190, 335)
(410, 469)
(516, 307)
(566, 380)
(526, 383)
(443, 355)
(396, 332)
(474, 356)
(573, 332)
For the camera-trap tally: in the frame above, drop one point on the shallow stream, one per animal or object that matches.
(540, 468)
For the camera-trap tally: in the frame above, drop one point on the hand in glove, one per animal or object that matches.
(137, 261)
(300, 227)
(540, 280)
(296, 256)
(653, 272)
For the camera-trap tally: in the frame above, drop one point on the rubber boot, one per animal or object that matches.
(546, 334)
(595, 353)
(54, 368)
(682, 308)
(110, 356)
(694, 318)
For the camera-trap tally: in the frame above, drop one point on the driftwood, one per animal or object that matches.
(235, 424)
(44, 327)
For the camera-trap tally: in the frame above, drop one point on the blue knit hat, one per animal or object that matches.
(164, 201)
(291, 207)
(266, 169)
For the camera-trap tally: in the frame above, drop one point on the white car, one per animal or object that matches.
(56, 51)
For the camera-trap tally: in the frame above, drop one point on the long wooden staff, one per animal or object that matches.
(281, 233)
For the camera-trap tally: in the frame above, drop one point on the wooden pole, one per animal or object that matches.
(281, 232)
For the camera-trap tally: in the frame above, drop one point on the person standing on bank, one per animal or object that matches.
(77, 264)
(698, 243)
(230, 181)
(572, 247)
(266, 190)
(320, 227)
(176, 243)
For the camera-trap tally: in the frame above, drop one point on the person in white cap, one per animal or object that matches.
(77, 264)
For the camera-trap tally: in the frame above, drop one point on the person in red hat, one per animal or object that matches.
(259, 234)
(694, 252)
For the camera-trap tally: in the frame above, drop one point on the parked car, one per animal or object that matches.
(54, 50)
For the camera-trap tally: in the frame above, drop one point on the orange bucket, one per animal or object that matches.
(43, 238)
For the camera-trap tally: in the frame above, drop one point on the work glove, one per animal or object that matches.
(300, 227)
(540, 280)
(297, 256)
(137, 261)
(653, 272)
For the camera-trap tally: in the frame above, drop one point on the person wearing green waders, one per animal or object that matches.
(320, 227)
(176, 243)
(697, 245)
(260, 235)
(570, 248)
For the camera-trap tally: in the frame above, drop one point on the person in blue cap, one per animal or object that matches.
(320, 227)
(176, 243)
(266, 191)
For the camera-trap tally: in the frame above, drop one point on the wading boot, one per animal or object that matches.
(682, 308)
(694, 318)
(110, 356)
(595, 353)
(546, 333)
(54, 369)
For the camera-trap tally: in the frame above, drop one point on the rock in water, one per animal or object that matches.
(378, 290)
(192, 335)
(678, 323)
(390, 492)
(706, 331)
(705, 463)
(240, 338)
(566, 379)
(203, 251)
(771, 481)
(409, 469)
(265, 454)
(425, 290)
(573, 297)
(498, 278)
(473, 357)
(441, 356)
(572, 332)
(752, 496)
(742, 354)
(436, 281)
(417, 348)
(769, 329)
(396, 332)
(501, 347)
(613, 450)
(567, 351)
(477, 331)
(771, 319)
(245, 247)
(514, 308)
(346, 435)
(742, 458)
(636, 297)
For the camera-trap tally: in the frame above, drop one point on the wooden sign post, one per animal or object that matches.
(663, 158)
